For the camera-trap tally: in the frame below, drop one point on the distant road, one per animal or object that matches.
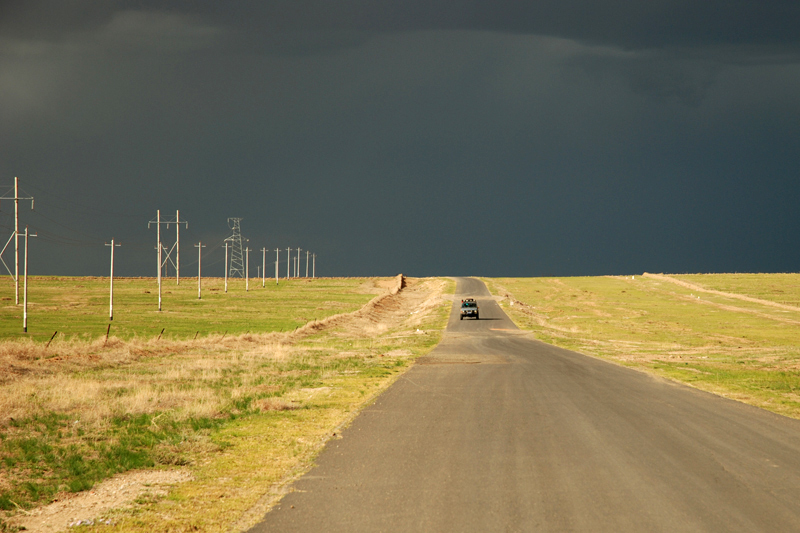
(495, 431)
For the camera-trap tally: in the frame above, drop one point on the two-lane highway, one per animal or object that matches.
(495, 431)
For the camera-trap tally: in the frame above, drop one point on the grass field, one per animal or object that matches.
(240, 412)
(740, 348)
(779, 288)
(79, 306)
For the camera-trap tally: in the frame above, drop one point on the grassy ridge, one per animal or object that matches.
(78, 306)
(741, 349)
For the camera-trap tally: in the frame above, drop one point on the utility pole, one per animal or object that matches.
(288, 260)
(160, 265)
(178, 223)
(162, 261)
(247, 270)
(166, 257)
(199, 247)
(111, 296)
(158, 223)
(277, 251)
(307, 252)
(226, 267)
(25, 297)
(263, 267)
(297, 264)
(16, 251)
(15, 236)
(314, 267)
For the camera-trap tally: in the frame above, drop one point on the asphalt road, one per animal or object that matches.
(495, 431)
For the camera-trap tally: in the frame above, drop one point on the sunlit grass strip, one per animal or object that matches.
(77, 307)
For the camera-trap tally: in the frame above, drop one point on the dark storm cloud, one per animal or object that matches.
(578, 137)
(625, 23)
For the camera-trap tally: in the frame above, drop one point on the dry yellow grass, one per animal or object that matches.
(128, 376)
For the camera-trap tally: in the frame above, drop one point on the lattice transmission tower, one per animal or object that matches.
(237, 252)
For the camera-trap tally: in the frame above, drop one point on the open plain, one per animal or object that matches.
(201, 429)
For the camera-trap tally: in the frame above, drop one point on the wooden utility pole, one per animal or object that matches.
(199, 247)
(226, 267)
(161, 248)
(178, 246)
(16, 247)
(111, 295)
(263, 267)
(25, 296)
(247, 269)
(158, 223)
(160, 266)
(277, 260)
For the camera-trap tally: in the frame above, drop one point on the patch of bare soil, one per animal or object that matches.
(84, 508)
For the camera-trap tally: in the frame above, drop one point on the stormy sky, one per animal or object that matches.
(503, 138)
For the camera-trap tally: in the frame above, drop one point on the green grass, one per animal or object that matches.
(79, 306)
(51, 453)
(740, 349)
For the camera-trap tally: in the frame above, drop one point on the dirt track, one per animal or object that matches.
(733, 295)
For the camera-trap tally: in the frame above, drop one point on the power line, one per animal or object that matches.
(85, 208)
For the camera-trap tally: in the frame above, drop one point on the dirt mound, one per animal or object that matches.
(405, 299)
(82, 508)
